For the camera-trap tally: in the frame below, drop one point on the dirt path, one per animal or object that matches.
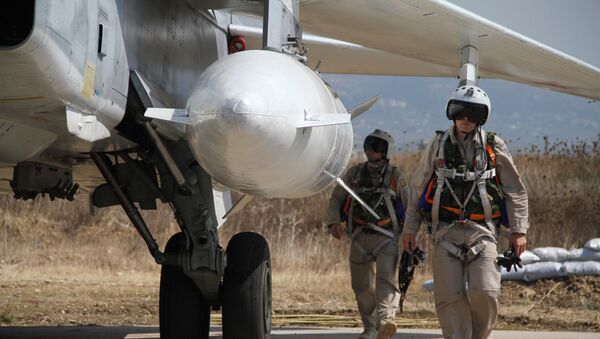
(69, 296)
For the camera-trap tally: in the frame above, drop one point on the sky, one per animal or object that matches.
(411, 109)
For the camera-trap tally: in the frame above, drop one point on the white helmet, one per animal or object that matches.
(381, 142)
(471, 99)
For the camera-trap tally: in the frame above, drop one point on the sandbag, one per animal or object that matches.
(427, 285)
(512, 275)
(527, 257)
(552, 254)
(576, 253)
(584, 254)
(589, 254)
(541, 270)
(593, 244)
(581, 268)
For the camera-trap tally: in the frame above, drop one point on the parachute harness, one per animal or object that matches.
(386, 195)
(478, 178)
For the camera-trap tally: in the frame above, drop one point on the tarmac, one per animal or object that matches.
(139, 332)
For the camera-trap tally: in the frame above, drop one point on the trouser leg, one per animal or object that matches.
(362, 273)
(451, 303)
(483, 276)
(387, 293)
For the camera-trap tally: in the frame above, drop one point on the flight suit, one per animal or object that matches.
(466, 295)
(374, 283)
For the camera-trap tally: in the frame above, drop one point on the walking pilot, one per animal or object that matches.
(464, 187)
(374, 251)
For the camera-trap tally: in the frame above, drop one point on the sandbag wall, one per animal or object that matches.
(553, 262)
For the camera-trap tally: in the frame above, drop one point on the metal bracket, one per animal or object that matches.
(85, 126)
(281, 28)
(469, 66)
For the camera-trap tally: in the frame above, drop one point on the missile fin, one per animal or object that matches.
(175, 115)
(317, 120)
(364, 106)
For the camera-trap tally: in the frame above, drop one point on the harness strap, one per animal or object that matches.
(388, 196)
(489, 232)
(383, 231)
(485, 201)
(439, 163)
(441, 150)
(380, 190)
(451, 173)
(351, 209)
(435, 208)
(373, 255)
(394, 217)
(381, 222)
(463, 204)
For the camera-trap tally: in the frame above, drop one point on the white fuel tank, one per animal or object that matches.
(244, 114)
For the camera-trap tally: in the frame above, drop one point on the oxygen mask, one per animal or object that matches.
(376, 145)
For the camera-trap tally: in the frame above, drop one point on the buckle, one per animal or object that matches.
(467, 255)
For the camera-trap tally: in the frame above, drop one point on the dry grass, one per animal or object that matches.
(563, 182)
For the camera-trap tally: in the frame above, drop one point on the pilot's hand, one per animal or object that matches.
(518, 241)
(409, 242)
(337, 230)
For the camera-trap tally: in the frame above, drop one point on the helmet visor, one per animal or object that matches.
(458, 110)
(376, 145)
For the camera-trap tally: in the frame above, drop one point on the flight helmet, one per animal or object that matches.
(380, 142)
(471, 101)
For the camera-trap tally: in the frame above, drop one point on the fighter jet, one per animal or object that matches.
(182, 101)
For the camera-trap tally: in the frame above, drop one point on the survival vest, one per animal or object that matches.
(460, 184)
(380, 197)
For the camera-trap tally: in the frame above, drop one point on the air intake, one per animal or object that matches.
(16, 22)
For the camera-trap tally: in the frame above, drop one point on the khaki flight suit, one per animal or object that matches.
(466, 295)
(375, 284)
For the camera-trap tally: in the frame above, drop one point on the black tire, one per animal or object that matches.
(246, 293)
(182, 312)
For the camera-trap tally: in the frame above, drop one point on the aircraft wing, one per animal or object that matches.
(424, 38)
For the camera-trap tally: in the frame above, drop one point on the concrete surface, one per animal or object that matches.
(139, 332)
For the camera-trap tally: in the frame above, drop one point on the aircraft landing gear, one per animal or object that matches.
(194, 276)
(246, 291)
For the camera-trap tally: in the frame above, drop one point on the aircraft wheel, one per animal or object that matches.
(182, 311)
(246, 292)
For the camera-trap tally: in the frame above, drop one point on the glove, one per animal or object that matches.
(509, 260)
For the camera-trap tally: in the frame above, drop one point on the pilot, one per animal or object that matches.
(465, 186)
(374, 250)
